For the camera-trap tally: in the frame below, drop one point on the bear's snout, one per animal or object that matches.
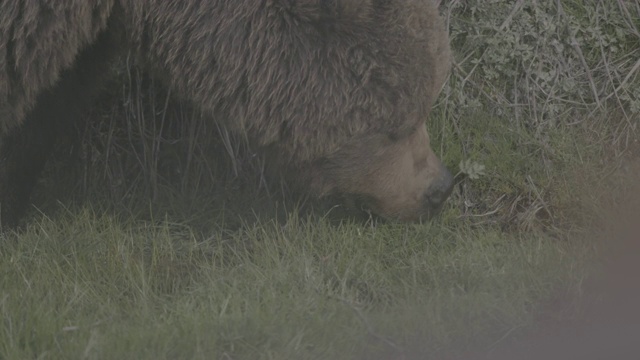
(438, 191)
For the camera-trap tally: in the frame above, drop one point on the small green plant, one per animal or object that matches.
(472, 169)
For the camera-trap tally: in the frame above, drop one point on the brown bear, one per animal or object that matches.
(336, 91)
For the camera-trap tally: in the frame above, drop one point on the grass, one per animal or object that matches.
(148, 244)
(88, 286)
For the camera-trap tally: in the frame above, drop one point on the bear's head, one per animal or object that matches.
(361, 77)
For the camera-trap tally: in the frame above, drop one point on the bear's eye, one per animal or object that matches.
(394, 137)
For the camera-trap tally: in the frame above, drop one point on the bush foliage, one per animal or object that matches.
(545, 60)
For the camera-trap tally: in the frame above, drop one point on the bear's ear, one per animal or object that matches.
(326, 10)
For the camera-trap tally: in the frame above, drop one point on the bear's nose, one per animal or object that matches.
(439, 190)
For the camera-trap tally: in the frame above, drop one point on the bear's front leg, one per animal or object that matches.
(24, 149)
(23, 153)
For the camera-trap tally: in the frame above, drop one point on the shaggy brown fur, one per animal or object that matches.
(39, 40)
(305, 78)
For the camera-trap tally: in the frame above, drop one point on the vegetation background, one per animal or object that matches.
(157, 236)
